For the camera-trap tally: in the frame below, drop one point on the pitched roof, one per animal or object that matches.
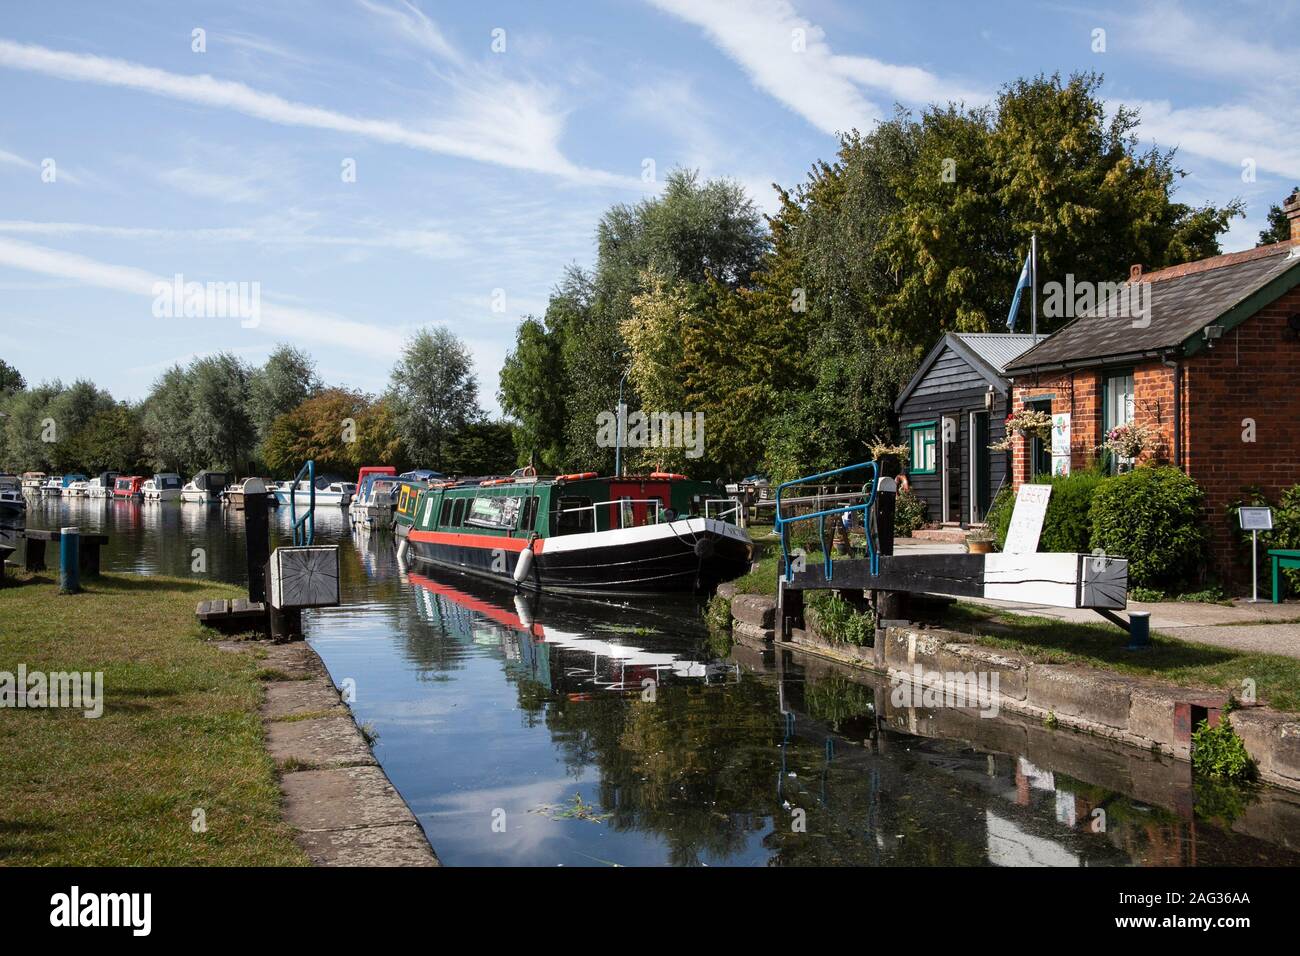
(1183, 300)
(986, 352)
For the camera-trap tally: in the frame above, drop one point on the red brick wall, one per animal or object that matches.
(1252, 373)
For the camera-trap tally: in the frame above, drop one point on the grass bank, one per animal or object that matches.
(180, 732)
(1049, 641)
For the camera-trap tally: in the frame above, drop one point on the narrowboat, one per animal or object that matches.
(372, 504)
(205, 487)
(577, 533)
(165, 486)
(128, 486)
(101, 486)
(32, 482)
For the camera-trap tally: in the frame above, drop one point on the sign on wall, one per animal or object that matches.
(1061, 443)
(1027, 519)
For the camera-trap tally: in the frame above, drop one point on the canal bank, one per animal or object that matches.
(933, 663)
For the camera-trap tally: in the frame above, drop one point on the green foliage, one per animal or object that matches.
(836, 699)
(286, 380)
(999, 516)
(320, 429)
(532, 392)
(909, 513)
(840, 622)
(1218, 752)
(1067, 524)
(481, 448)
(11, 380)
(1279, 227)
(717, 614)
(433, 394)
(1286, 529)
(1152, 517)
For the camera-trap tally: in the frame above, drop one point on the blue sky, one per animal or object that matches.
(481, 173)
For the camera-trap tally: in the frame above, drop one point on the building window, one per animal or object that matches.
(1040, 451)
(1116, 410)
(923, 439)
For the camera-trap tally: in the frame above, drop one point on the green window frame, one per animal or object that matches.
(923, 440)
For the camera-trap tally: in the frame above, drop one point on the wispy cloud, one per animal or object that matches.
(411, 24)
(788, 57)
(289, 322)
(13, 159)
(503, 122)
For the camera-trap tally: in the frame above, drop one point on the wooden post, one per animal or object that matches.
(69, 566)
(789, 609)
(257, 539)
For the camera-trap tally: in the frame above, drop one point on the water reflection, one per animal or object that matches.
(544, 731)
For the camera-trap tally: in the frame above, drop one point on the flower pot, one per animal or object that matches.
(979, 547)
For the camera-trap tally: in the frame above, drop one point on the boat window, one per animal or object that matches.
(529, 521)
(494, 511)
(444, 520)
(458, 513)
(576, 516)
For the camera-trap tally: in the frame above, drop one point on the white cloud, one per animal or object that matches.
(1203, 47)
(504, 122)
(825, 88)
(1227, 134)
(288, 322)
(410, 23)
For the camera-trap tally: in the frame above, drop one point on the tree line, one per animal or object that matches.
(221, 412)
(794, 333)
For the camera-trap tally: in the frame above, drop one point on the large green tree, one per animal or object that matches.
(284, 382)
(11, 380)
(434, 394)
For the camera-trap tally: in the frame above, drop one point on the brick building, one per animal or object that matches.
(1212, 366)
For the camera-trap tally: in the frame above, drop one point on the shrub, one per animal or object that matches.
(1219, 753)
(1152, 517)
(1286, 529)
(909, 513)
(1067, 525)
(840, 622)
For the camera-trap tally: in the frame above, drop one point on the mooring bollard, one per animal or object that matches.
(1139, 631)
(69, 554)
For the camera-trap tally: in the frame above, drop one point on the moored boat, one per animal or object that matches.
(53, 487)
(578, 533)
(205, 487)
(32, 482)
(128, 486)
(13, 505)
(372, 503)
(164, 486)
(101, 486)
(329, 492)
(75, 489)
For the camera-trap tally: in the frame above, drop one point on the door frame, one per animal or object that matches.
(975, 459)
(945, 466)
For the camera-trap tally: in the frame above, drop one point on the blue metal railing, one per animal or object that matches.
(304, 528)
(866, 506)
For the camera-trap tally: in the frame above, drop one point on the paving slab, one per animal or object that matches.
(296, 697)
(398, 844)
(324, 742)
(345, 798)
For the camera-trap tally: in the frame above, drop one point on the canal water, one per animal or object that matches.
(544, 731)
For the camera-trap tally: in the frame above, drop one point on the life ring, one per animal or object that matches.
(577, 476)
(667, 476)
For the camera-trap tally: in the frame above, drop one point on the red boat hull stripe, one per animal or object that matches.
(485, 541)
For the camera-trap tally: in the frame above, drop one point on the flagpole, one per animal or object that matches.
(1033, 287)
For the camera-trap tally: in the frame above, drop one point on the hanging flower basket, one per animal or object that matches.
(1130, 440)
(890, 458)
(1031, 423)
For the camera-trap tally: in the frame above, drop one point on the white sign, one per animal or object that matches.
(1061, 436)
(1256, 519)
(1060, 465)
(1027, 519)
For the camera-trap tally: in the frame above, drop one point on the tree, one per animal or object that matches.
(168, 440)
(532, 392)
(11, 380)
(113, 440)
(29, 439)
(481, 448)
(218, 420)
(70, 411)
(286, 380)
(337, 428)
(433, 393)
(1279, 226)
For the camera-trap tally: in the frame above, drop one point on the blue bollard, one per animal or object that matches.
(1139, 631)
(69, 556)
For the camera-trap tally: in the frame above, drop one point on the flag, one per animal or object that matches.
(1020, 287)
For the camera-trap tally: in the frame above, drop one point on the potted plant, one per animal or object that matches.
(1028, 422)
(1127, 442)
(890, 459)
(979, 541)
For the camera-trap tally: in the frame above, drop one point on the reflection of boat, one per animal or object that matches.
(165, 486)
(205, 487)
(572, 648)
(12, 504)
(578, 533)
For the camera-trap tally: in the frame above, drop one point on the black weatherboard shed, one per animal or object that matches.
(954, 407)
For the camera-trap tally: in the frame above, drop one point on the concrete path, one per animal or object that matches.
(1263, 628)
(336, 796)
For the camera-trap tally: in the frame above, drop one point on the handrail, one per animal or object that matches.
(304, 538)
(865, 508)
(622, 512)
(734, 510)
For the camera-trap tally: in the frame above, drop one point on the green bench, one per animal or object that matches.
(1282, 559)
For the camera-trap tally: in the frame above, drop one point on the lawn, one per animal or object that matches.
(180, 732)
(1048, 641)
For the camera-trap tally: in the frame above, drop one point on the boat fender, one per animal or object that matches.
(704, 548)
(402, 547)
(524, 565)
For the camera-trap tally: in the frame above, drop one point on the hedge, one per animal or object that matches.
(1152, 517)
(1067, 525)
